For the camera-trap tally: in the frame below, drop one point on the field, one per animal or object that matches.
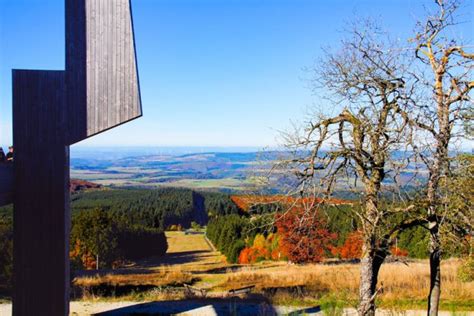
(210, 171)
(190, 259)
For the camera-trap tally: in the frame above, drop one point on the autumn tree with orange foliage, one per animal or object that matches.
(81, 258)
(352, 248)
(398, 252)
(303, 240)
(263, 248)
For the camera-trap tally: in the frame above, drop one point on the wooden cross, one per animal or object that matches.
(52, 110)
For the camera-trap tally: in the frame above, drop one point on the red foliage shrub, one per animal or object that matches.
(352, 248)
(307, 241)
(399, 252)
(80, 255)
(245, 255)
(262, 249)
(303, 241)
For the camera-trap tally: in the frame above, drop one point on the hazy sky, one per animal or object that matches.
(212, 72)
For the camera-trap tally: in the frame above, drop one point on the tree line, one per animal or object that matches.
(274, 233)
(116, 225)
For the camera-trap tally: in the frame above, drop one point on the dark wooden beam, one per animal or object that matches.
(6, 183)
(41, 198)
(51, 110)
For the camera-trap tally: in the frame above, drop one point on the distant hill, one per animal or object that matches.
(214, 171)
(236, 173)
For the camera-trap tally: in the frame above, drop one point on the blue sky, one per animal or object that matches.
(212, 72)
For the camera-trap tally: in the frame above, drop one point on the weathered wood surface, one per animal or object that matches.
(243, 290)
(6, 183)
(102, 77)
(51, 110)
(194, 291)
(41, 198)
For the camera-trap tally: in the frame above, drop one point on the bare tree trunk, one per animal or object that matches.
(434, 246)
(435, 273)
(369, 271)
(372, 256)
(437, 170)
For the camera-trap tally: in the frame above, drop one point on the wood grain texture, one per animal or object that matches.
(51, 110)
(6, 183)
(41, 198)
(102, 76)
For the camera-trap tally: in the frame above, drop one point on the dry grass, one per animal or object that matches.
(400, 282)
(187, 257)
(162, 278)
(412, 282)
(322, 278)
(180, 242)
(190, 260)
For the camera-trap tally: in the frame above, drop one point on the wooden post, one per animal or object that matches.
(41, 198)
(51, 110)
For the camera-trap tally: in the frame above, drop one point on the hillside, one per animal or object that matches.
(211, 171)
(230, 172)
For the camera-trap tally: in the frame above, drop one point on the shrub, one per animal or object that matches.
(233, 254)
(303, 241)
(263, 248)
(352, 247)
(99, 234)
(466, 270)
(227, 233)
(6, 256)
(395, 251)
(415, 241)
(175, 228)
(195, 226)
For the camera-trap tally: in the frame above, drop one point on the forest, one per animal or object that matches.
(263, 233)
(112, 226)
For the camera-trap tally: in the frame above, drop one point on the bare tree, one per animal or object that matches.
(445, 74)
(365, 79)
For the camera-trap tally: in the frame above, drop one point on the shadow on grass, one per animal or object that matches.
(143, 266)
(258, 305)
(173, 258)
(234, 268)
(222, 270)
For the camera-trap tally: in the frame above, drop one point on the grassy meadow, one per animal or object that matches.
(190, 259)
